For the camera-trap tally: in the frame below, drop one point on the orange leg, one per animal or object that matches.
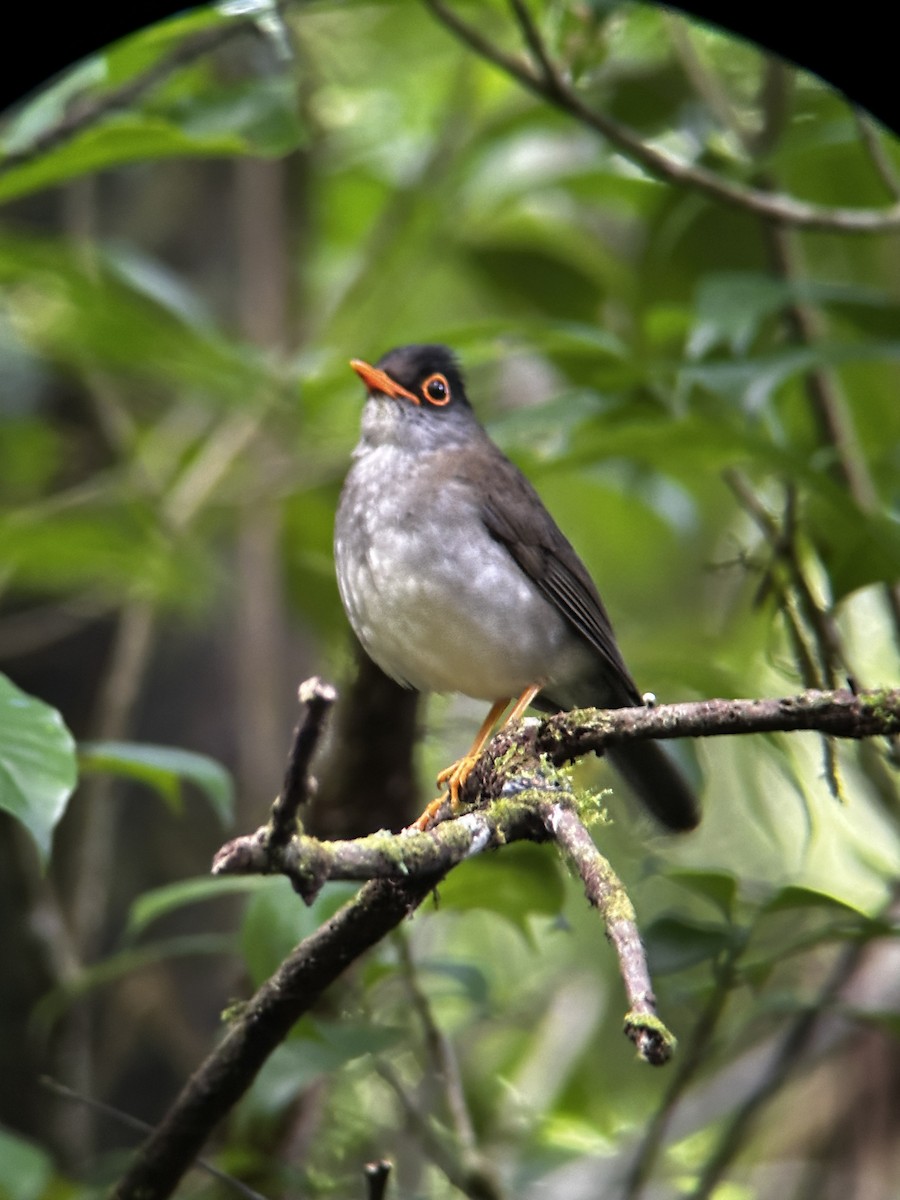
(457, 773)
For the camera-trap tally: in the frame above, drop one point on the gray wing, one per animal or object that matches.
(514, 515)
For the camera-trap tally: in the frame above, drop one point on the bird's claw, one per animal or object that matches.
(456, 775)
(453, 777)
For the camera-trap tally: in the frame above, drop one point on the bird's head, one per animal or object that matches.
(416, 397)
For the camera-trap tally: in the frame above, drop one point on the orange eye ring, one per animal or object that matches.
(436, 390)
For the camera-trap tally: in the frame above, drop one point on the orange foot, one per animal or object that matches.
(457, 773)
(454, 777)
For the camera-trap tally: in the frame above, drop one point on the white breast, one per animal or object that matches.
(434, 600)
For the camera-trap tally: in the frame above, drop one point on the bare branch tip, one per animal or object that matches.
(376, 1176)
(653, 1041)
(315, 690)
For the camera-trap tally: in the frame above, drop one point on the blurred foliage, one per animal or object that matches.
(38, 771)
(172, 441)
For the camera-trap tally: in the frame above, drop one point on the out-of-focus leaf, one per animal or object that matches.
(467, 978)
(159, 902)
(38, 767)
(25, 1170)
(257, 117)
(887, 1020)
(120, 140)
(858, 548)
(676, 943)
(571, 1135)
(96, 316)
(796, 897)
(275, 921)
(716, 886)
(29, 454)
(110, 549)
(520, 882)
(309, 554)
(263, 112)
(532, 277)
(731, 306)
(315, 1049)
(164, 768)
(753, 381)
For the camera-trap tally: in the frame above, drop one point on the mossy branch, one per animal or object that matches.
(527, 799)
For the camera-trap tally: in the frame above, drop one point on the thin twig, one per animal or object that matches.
(607, 894)
(829, 406)
(692, 1055)
(318, 698)
(535, 43)
(469, 1173)
(801, 609)
(766, 204)
(444, 1063)
(376, 1176)
(781, 536)
(139, 1126)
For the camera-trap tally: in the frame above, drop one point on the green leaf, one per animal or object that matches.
(752, 381)
(886, 1020)
(516, 884)
(731, 306)
(469, 979)
(188, 112)
(676, 943)
(38, 767)
(275, 921)
(795, 896)
(159, 902)
(316, 1048)
(86, 317)
(25, 1170)
(110, 547)
(164, 768)
(858, 548)
(122, 139)
(538, 280)
(717, 886)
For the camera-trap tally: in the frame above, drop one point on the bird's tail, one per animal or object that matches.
(658, 782)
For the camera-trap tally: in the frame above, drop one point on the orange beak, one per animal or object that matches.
(379, 381)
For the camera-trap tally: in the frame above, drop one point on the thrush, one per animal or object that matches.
(455, 577)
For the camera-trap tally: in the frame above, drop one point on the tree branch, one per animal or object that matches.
(217, 1085)
(318, 698)
(606, 893)
(570, 735)
(531, 802)
(376, 1177)
(549, 83)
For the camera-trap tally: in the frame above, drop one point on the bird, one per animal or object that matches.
(456, 578)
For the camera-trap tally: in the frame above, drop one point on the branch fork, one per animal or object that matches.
(530, 799)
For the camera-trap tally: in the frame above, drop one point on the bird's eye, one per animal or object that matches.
(437, 389)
